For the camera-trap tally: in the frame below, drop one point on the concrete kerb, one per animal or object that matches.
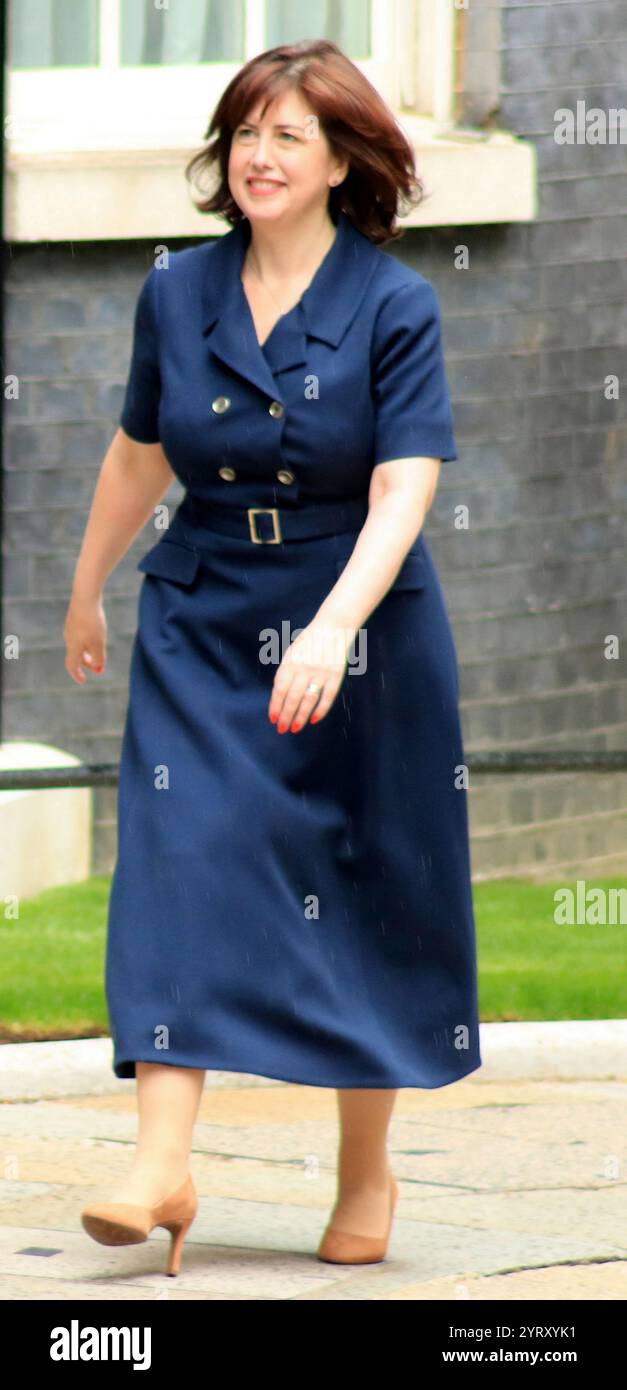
(594, 1050)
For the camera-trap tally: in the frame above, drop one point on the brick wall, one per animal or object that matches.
(531, 330)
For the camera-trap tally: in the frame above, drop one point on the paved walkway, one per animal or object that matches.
(508, 1190)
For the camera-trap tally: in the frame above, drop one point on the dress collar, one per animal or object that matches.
(326, 308)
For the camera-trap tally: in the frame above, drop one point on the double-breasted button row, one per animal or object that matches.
(284, 475)
(222, 403)
(229, 475)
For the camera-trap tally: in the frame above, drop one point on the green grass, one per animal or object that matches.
(52, 960)
(531, 968)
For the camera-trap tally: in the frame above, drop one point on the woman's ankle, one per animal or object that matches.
(374, 1178)
(155, 1165)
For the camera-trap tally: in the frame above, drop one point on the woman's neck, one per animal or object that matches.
(290, 252)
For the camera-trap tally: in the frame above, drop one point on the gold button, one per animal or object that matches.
(228, 474)
(284, 475)
(220, 404)
(276, 409)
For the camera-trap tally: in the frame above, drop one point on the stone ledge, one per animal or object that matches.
(561, 1051)
(471, 177)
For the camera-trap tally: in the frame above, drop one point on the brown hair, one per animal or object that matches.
(356, 121)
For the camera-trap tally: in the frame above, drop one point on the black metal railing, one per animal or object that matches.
(497, 761)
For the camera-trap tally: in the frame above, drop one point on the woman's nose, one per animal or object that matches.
(260, 155)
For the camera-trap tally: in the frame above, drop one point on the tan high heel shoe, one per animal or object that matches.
(344, 1248)
(125, 1223)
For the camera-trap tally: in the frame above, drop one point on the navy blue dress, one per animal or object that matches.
(296, 906)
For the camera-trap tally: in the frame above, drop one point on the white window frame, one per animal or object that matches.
(109, 107)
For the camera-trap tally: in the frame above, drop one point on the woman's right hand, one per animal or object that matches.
(85, 633)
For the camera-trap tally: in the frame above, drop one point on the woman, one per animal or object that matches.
(295, 907)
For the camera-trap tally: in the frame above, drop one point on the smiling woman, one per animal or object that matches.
(298, 907)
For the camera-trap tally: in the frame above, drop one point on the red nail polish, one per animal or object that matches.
(273, 718)
(296, 727)
(282, 728)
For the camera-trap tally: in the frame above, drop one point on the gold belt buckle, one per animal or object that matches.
(261, 540)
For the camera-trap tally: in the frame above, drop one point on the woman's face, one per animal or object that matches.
(281, 165)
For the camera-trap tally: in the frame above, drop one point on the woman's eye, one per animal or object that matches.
(246, 130)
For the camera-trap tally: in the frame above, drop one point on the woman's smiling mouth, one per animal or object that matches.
(264, 187)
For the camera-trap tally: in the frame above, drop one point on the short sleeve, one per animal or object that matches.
(413, 414)
(140, 410)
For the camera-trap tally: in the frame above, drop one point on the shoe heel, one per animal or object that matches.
(178, 1234)
(128, 1223)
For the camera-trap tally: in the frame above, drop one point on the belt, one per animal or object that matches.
(273, 525)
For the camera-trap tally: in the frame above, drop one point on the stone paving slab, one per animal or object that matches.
(508, 1190)
(601, 1282)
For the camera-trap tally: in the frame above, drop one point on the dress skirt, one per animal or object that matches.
(295, 906)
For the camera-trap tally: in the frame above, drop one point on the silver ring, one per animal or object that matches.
(313, 689)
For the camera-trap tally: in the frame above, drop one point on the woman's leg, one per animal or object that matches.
(167, 1105)
(363, 1175)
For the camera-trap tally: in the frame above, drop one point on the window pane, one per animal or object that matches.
(346, 22)
(53, 33)
(195, 31)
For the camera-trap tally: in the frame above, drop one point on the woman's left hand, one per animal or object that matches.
(319, 655)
